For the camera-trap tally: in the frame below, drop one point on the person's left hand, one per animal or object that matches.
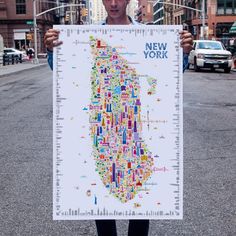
(186, 41)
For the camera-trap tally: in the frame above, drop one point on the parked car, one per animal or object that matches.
(18, 55)
(210, 54)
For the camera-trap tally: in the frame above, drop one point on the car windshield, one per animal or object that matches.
(8, 50)
(210, 45)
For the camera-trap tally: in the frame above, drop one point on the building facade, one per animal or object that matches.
(78, 14)
(158, 13)
(98, 12)
(144, 13)
(170, 12)
(178, 12)
(219, 17)
(132, 7)
(16, 22)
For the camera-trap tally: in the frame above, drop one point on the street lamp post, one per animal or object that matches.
(35, 34)
(203, 19)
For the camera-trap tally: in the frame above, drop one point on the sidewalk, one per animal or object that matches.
(26, 65)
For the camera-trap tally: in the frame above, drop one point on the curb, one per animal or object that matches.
(23, 70)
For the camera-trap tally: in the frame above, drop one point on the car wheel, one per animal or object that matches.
(227, 70)
(196, 68)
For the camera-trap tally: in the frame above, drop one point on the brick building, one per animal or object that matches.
(144, 14)
(16, 22)
(220, 15)
(168, 12)
(178, 12)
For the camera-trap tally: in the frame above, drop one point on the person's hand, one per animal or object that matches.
(51, 39)
(186, 41)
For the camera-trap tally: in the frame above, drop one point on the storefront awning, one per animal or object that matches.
(232, 30)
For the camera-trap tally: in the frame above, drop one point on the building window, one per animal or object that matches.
(20, 7)
(193, 13)
(220, 7)
(227, 7)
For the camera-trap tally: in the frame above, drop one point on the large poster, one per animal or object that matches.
(117, 123)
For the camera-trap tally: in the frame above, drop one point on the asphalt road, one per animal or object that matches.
(26, 159)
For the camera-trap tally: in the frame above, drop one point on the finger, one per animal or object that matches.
(51, 39)
(48, 40)
(187, 40)
(183, 31)
(52, 44)
(186, 45)
(53, 31)
(185, 35)
(50, 35)
(57, 43)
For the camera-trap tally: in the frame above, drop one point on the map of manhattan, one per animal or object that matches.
(123, 160)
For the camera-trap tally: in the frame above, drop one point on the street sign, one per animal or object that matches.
(32, 29)
(29, 22)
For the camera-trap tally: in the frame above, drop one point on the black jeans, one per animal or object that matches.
(136, 227)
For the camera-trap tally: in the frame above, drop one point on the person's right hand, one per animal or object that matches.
(51, 39)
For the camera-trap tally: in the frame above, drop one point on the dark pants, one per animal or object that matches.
(136, 227)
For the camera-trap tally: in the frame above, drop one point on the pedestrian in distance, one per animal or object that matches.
(116, 11)
(30, 52)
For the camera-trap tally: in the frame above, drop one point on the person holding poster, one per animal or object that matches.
(116, 11)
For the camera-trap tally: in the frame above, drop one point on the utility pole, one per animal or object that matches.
(88, 7)
(71, 16)
(203, 19)
(79, 14)
(36, 61)
(79, 11)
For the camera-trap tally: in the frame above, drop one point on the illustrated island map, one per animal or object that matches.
(123, 160)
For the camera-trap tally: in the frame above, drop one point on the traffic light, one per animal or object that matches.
(84, 11)
(29, 36)
(67, 16)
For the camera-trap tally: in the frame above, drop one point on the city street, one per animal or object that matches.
(26, 158)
